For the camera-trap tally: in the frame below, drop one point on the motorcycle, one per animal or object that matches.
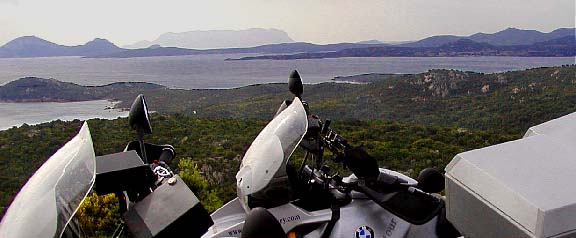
(312, 201)
(274, 199)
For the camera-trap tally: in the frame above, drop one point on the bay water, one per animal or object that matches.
(16, 114)
(213, 71)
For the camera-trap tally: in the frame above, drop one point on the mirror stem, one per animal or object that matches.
(140, 133)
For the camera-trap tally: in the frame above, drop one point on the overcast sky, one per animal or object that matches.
(73, 22)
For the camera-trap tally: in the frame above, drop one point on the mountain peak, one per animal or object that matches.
(101, 43)
(99, 40)
(564, 31)
(370, 42)
(218, 39)
(27, 41)
(30, 37)
(513, 30)
(515, 36)
(33, 46)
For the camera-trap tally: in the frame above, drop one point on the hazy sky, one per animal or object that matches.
(72, 22)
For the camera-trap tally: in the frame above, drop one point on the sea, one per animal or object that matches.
(214, 71)
(16, 114)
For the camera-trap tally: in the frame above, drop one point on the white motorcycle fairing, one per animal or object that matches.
(264, 164)
(48, 201)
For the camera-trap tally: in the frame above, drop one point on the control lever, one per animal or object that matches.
(325, 126)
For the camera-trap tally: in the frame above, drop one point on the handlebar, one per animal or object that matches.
(314, 177)
(332, 140)
(409, 203)
(167, 155)
(394, 194)
(403, 200)
(355, 158)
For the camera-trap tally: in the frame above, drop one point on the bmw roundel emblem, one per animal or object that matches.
(364, 232)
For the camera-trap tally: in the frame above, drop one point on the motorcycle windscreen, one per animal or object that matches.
(49, 199)
(266, 158)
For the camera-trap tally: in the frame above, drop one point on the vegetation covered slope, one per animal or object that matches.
(217, 145)
(506, 102)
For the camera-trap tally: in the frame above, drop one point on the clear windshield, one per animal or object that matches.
(52, 195)
(266, 158)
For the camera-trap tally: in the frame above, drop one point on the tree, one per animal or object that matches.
(198, 184)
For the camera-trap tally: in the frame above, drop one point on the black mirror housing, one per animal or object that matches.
(295, 84)
(139, 117)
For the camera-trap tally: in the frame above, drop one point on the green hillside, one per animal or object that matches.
(217, 145)
(505, 102)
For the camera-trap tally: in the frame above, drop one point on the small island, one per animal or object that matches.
(33, 89)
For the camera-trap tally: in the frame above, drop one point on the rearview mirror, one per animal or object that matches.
(139, 120)
(139, 117)
(295, 84)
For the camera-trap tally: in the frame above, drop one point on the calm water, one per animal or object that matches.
(212, 71)
(15, 114)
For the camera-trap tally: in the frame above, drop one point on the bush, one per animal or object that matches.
(98, 215)
(198, 184)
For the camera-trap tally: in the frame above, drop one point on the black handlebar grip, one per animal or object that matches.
(361, 163)
(167, 155)
(430, 181)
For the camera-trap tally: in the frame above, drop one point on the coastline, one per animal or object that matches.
(117, 100)
(33, 113)
(210, 102)
(212, 72)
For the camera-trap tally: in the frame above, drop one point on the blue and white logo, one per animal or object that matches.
(364, 232)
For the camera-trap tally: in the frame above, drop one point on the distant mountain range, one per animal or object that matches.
(217, 39)
(32, 46)
(507, 37)
(370, 42)
(509, 42)
(561, 47)
(283, 48)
